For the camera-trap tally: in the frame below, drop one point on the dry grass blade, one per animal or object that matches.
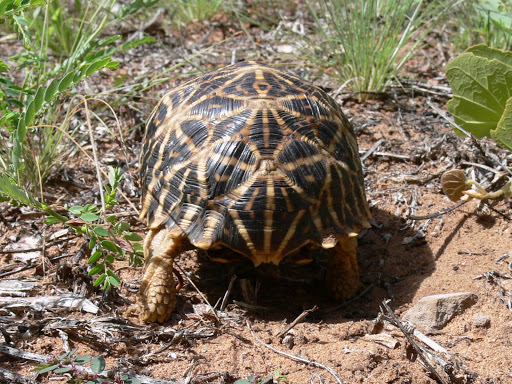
(96, 161)
(200, 293)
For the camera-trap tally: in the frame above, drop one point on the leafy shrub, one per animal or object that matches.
(481, 79)
(37, 123)
(109, 238)
(33, 116)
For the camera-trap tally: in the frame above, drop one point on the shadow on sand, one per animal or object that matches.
(391, 266)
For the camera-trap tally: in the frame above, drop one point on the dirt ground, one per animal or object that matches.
(468, 249)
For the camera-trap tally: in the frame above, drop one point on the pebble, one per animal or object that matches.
(289, 341)
(432, 313)
(481, 320)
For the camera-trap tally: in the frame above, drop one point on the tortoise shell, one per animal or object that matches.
(254, 159)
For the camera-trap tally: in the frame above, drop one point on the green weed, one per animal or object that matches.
(186, 12)
(483, 21)
(109, 238)
(72, 366)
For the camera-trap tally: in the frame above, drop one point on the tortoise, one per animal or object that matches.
(256, 161)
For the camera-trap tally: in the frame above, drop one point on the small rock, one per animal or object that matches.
(384, 339)
(289, 341)
(284, 49)
(481, 320)
(432, 313)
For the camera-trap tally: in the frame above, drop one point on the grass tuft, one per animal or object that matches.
(366, 43)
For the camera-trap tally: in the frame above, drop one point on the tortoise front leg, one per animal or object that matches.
(343, 271)
(157, 295)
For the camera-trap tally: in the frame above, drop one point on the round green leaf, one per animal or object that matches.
(39, 98)
(30, 113)
(89, 217)
(132, 236)
(83, 359)
(114, 280)
(76, 209)
(63, 370)
(96, 66)
(122, 226)
(98, 364)
(99, 280)
(101, 231)
(48, 369)
(50, 220)
(109, 258)
(51, 90)
(21, 130)
(112, 219)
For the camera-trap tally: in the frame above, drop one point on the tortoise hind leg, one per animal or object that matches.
(157, 295)
(343, 271)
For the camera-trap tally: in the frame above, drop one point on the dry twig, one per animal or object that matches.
(419, 350)
(296, 321)
(438, 213)
(13, 377)
(200, 293)
(228, 292)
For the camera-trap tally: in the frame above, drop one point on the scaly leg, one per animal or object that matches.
(157, 295)
(343, 271)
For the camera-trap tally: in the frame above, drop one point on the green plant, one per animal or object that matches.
(72, 365)
(109, 238)
(189, 11)
(366, 43)
(481, 80)
(36, 120)
(256, 379)
(484, 21)
(456, 186)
